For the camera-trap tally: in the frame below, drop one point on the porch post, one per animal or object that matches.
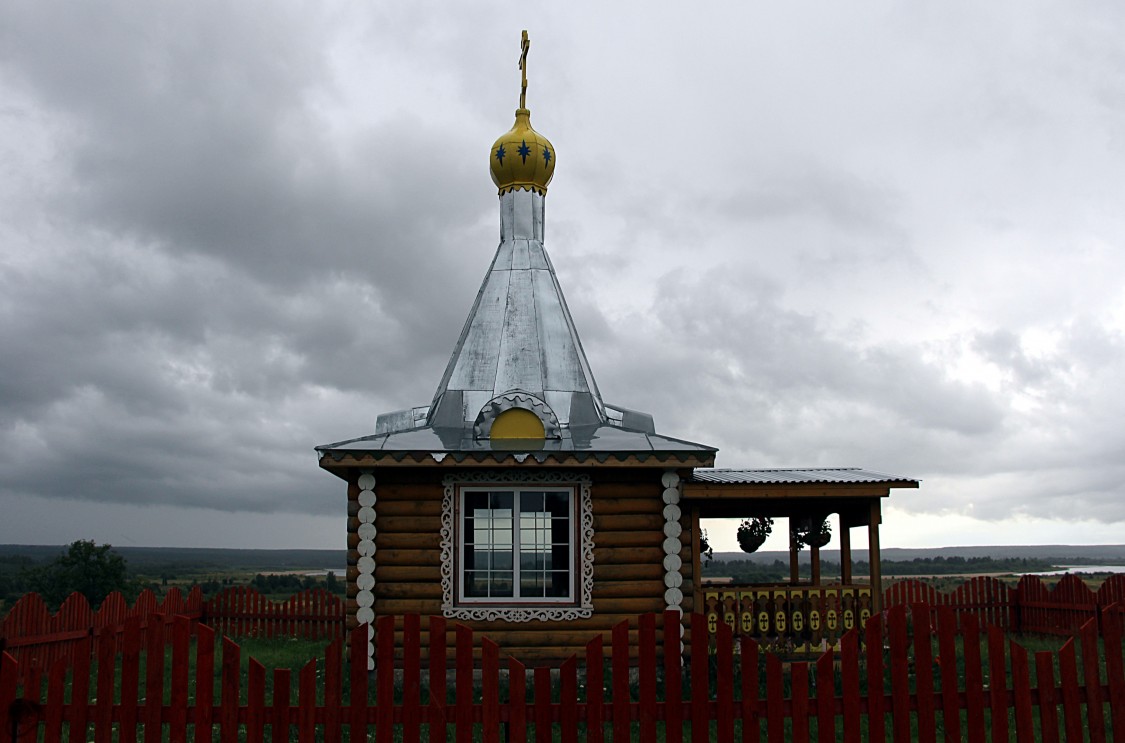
(845, 552)
(794, 565)
(814, 555)
(873, 557)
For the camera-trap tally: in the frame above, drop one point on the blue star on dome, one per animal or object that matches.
(500, 154)
(524, 151)
(546, 156)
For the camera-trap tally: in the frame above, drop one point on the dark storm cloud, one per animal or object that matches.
(872, 237)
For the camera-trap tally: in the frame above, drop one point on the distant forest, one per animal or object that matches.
(750, 572)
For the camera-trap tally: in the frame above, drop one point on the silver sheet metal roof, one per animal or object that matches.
(519, 334)
(598, 441)
(795, 476)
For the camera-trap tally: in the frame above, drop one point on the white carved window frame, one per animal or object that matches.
(584, 581)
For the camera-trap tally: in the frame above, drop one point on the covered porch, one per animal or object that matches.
(804, 613)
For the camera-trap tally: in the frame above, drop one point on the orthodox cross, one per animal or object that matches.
(525, 44)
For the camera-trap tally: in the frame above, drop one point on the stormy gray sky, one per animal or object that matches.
(867, 234)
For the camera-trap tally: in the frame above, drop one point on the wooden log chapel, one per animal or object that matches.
(521, 504)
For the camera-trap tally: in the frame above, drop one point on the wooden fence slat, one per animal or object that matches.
(825, 698)
(974, 677)
(359, 663)
(385, 681)
(947, 667)
(646, 675)
(130, 679)
(775, 700)
(279, 717)
(1021, 691)
(876, 693)
(568, 699)
(55, 702)
(997, 685)
(1071, 694)
(80, 691)
(517, 695)
(1114, 669)
(154, 677)
(411, 678)
(204, 683)
(673, 677)
(255, 702)
(924, 673)
(437, 693)
(333, 690)
(306, 696)
(1048, 705)
(699, 687)
(900, 675)
(181, 647)
(463, 690)
(229, 693)
(490, 687)
(620, 680)
(748, 663)
(799, 683)
(850, 685)
(595, 690)
(542, 681)
(1095, 720)
(724, 682)
(28, 727)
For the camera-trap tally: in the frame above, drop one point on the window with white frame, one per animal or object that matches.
(517, 546)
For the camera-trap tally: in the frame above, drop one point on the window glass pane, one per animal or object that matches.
(502, 560)
(557, 503)
(531, 501)
(476, 584)
(531, 584)
(560, 530)
(501, 501)
(475, 500)
(501, 584)
(532, 560)
(558, 584)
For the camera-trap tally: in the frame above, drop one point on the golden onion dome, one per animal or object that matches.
(522, 158)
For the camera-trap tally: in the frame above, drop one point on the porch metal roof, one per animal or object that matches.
(796, 476)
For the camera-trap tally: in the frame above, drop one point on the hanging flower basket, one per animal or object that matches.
(752, 533)
(812, 532)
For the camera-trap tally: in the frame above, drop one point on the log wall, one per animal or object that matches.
(629, 577)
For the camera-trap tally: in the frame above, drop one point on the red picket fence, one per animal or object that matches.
(32, 634)
(37, 638)
(989, 600)
(1031, 606)
(893, 682)
(313, 614)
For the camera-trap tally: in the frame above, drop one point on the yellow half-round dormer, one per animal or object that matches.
(523, 158)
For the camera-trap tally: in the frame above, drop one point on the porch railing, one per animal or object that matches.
(797, 619)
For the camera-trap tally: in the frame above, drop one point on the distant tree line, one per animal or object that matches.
(98, 570)
(748, 571)
(84, 567)
(292, 582)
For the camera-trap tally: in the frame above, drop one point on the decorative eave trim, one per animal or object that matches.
(332, 459)
(585, 607)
